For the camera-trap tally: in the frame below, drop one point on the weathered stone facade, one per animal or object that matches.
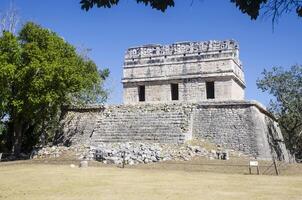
(187, 65)
(178, 92)
(240, 125)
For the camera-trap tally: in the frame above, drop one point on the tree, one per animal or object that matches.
(40, 74)
(161, 5)
(272, 8)
(9, 20)
(286, 87)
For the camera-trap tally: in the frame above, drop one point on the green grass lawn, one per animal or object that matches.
(59, 182)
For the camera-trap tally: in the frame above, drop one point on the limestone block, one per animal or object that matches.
(83, 164)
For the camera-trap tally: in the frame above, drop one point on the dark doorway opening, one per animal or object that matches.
(141, 93)
(210, 90)
(174, 91)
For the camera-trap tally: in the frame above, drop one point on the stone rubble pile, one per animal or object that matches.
(136, 153)
(132, 153)
(48, 152)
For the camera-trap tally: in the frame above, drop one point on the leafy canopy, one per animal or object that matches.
(286, 87)
(40, 73)
(273, 8)
(40, 70)
(161, 5)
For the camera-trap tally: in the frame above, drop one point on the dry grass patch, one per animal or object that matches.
(65, 183)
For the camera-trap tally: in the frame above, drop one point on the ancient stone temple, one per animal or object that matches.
(184, 72)
(175, 93)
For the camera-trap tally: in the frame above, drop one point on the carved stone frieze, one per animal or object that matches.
(180, 48)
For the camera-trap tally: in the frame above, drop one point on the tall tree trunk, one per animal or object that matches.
(17, 140)
(43, 134)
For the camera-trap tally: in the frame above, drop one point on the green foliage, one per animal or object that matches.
(40, 73)
(250, 7)
(273, 8)
(161, 5)
(2, 128)
(286, 87)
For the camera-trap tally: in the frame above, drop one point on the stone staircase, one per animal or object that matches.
(161, 127)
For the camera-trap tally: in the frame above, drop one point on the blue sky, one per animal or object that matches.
(109, 32)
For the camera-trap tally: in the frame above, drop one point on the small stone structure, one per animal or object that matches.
(186, 72)
(179, 92)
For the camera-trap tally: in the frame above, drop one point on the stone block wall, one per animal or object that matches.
(240, 125)
(230, 126)
(237, 92)
(190, 64)
(155, 123)
(190, 90)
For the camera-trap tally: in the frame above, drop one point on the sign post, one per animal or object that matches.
(124, 159)
(276, 167)
(254, 163)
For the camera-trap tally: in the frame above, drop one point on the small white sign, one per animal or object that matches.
(254, 163)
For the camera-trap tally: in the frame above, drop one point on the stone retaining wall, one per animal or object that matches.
(240, 125)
